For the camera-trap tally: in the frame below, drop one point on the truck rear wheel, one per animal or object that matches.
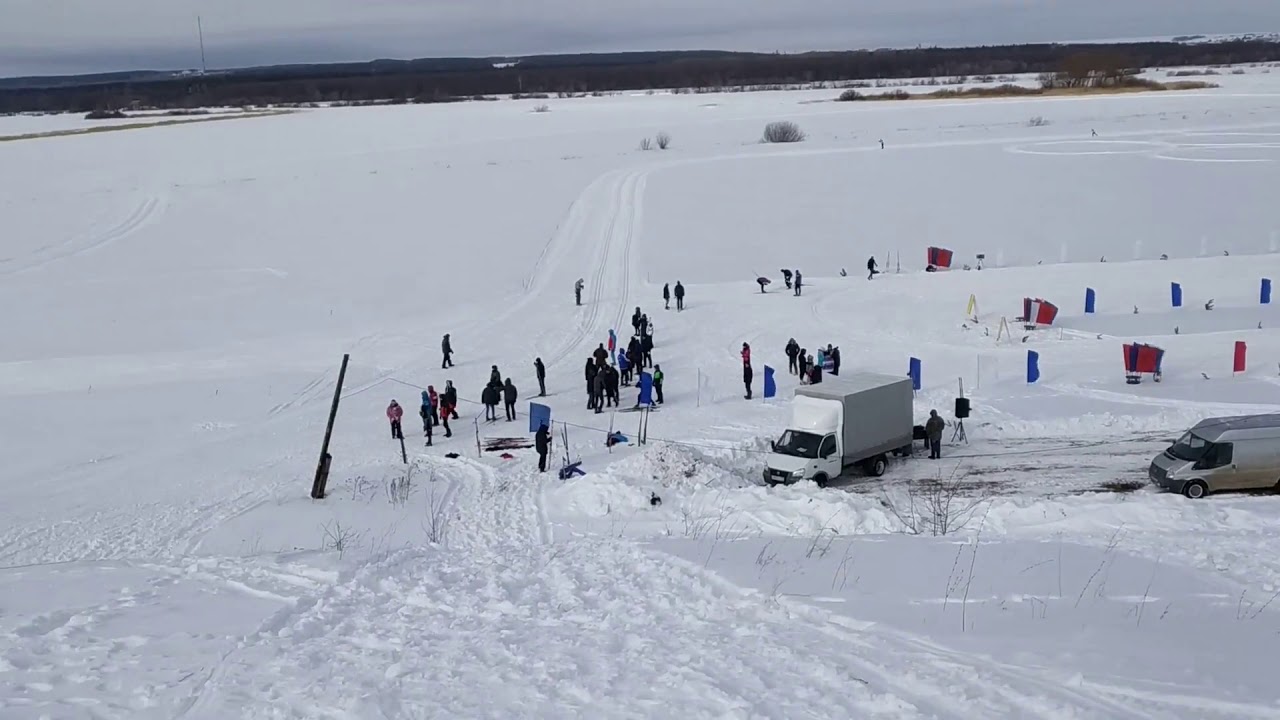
(876, 466)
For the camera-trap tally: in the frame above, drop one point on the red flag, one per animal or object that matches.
(1239, 360)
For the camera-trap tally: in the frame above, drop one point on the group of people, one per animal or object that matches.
(802, 363)
(606, 376)
(436, 409)
(498, 391)
(667, 295)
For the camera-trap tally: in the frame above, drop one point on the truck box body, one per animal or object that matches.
(878, 413)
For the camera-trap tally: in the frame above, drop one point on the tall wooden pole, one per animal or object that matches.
(322, 468)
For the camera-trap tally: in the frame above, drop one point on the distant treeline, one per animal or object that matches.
(450, 79)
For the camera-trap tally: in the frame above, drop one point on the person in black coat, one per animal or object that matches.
(646, 351)
(666, 296)
(495, 377)
(793, 353)
(601, 355)
(611, 383)
(815, 372)
(799, 282)
(635, 320)
(592, 370)
(747, 376)
(871, 267)
(541, 371)
(679, 296)
(542, 443)
(802, 365)
(489, 397)
(835, 360)
(446, 348)
(509, 396)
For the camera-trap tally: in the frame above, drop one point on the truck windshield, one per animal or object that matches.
(798, 444)
(1190, 447)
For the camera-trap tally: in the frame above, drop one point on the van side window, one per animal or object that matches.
(828, 447)
(1218, 456)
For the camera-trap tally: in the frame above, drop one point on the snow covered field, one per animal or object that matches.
(179, 299)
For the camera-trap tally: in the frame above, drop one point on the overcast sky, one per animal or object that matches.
(48, 37)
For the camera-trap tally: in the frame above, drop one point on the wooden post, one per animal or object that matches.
(404, 456)
(322, 467)
(479, 452)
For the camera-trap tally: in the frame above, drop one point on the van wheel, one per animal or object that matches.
(820, 480)
(877, 466)
(1195, 489)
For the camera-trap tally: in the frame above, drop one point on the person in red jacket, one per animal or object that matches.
(435, 404)
(394, 413)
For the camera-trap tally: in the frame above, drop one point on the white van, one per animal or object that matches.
(1228, 453)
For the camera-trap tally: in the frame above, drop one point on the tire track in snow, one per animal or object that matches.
(140, 216)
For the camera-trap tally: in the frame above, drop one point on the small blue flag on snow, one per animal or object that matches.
(1090, 300)
(646, 389)
(770, 386)
(539, 415)
(1033, 366)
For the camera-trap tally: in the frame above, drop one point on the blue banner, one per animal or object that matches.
(1265, 295)
(770, 386)
(1033, 366)
(539, 415)
(913, 371)
(1175, 294)
(1090, 300)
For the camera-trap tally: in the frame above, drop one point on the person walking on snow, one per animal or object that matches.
(786, 277)
(933, 430)
(435, 404)
(425, 412)
(540, 371)
(489, 397)
(871, 267)
(679, 296)
(509, 396)
(542, 443)
(802, 365)
(446, 348)
(793, 353)
(798, 282)
(747, 373)
(394, 413)
(577, 292)
(666, 296)
(449, 402)
(592, 370)
(657, 382)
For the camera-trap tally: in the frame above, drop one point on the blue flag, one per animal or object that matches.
(770, 386)
(539, 415)
(1033, 366)
(913, 372)
(646, 389)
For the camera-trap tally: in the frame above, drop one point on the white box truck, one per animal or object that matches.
(856, 419)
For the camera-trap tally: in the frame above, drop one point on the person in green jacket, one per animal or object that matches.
(657, 383)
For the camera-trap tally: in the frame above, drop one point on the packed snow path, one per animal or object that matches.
(504, 621)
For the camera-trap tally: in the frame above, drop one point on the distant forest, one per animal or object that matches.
(452, 79)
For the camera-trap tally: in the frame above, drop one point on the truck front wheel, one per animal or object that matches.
(877, 465)
(820, 480)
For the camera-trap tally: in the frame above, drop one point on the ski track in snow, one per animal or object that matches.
(143, 214)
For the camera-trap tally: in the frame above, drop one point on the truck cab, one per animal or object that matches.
(810, 448)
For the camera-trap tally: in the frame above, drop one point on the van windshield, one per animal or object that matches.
(798, 444)
(1190, 447)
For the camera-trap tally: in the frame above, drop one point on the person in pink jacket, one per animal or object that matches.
(394, 413)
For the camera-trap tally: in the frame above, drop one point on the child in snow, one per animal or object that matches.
(394, 413)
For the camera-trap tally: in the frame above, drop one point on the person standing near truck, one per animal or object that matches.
(933, 430)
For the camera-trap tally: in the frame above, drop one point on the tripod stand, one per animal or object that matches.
(959, 433)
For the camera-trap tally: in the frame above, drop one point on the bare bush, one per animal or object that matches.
(783, 131)
(400, 489)
(362, 488)
(663, 140)
(646, 144)
(436, 524)
(1037, 121)
(935, 507)
(850, 95)
(541, 108)
(339, 537)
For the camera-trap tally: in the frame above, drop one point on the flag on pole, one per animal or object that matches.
(539, 415)
(770, 386)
